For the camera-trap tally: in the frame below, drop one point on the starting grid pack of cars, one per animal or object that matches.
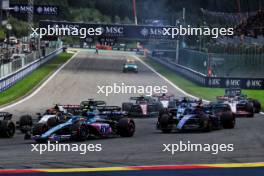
(93, 118)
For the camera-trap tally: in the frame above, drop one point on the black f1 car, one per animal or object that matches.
(7, 126)
(142, 106)
(204, 118)
(239, 103)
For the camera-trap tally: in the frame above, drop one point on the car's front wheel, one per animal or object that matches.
(8, 128)
(25, 123)
(126, 127)
(79, 132)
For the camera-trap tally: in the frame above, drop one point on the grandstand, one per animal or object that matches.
(252, 26)
(241, 55)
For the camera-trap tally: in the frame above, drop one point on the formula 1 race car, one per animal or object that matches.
(48, 119)
(130, 66)
(239, 103)
(107, 121)
(142, 106)
(53, 116)
(167, 101)
(205, 118)
(7, 126)
(171, 104)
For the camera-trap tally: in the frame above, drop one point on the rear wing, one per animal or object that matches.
(136, 98)
(162, 95)
(139, 98)
(222, 98)
(71, 106)
(109, 108)
(218, 106)
(92, 103)
(232, 92)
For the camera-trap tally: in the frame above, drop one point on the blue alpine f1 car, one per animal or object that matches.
(97, 122)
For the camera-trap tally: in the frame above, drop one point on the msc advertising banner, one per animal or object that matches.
(38, 9)
(119, 31)
(245, 83)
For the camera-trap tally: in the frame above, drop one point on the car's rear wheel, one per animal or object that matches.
(25, 123)
(8, 128)
(126, 127)
(164, 121)
(257, 106)
(250, 109)
(228, 120)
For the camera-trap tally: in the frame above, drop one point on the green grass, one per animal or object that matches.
(196, 90)
(32, 80)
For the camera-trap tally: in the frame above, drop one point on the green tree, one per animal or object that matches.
(19, 28)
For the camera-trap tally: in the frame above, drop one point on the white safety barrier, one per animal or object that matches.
(9, 80)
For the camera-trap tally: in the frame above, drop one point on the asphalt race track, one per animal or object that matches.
(78, 81)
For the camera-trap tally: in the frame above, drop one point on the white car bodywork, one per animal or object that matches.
(46, 117)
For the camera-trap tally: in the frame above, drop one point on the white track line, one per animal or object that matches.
(164, 78)
(39, 88)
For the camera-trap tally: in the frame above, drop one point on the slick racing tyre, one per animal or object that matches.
(164, 121)
(257, 106)
(39, 129)
(25, 123)
(250, 109)
(127, 106)
(7, 128)
(228, 120)
(126, 127)
(79, 132)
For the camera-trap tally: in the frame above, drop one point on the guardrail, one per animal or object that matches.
(9, 80)
(214, 82)
(190, 74)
